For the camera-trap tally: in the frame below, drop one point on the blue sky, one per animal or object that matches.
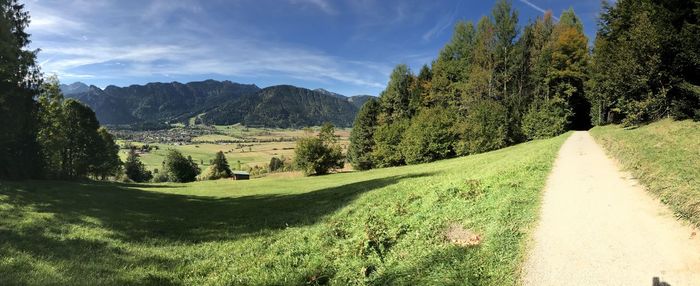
(349, 47)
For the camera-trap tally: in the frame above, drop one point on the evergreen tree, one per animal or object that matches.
(219, 168)
(395, 99)
(19, 81)
(362, 136)
(450, 70)
(134, 168)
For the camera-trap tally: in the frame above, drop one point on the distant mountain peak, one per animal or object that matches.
(73, 88)
(333, 94)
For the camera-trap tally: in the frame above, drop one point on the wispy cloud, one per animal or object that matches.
(183, 47)
(538, 8)
(323, 5)
(444, 23)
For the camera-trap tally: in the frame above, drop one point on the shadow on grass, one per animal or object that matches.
(135, 215)
(122, 213)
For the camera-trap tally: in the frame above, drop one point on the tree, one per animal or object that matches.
(219, 168)
(319, 155)
(646, 63)
(387, 138)
(180, 169)
(546, 118)
(395, 99)
(82, 143)
(134, 168)
(430, 137)
(19, 80)
(51, 135)
(450, 70)
(484, 129)
(362, 136)
(107, 162)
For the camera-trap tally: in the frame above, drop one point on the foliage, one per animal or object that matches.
(484, 128)
(135, 170)
(218, 169)
(107, 162)
(496, 85)
(73, 144)
(276, 164)
(362, 136)
(178, 168)
(546, 119)
(387, 138)
(319, 155)
(19, 80)
(646, 61)
(430, 136)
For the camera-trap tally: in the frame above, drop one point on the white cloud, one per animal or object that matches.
(538, 8)
(323, 5)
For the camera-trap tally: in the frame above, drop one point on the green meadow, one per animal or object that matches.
(384, 226)
(664, 156)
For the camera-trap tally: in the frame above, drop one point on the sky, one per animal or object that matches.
(345, 46)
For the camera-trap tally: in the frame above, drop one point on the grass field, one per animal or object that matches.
(257, 146)
(665, 157)
(385, 226)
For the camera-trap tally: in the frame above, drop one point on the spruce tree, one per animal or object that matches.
(362, 136)
(19, 81)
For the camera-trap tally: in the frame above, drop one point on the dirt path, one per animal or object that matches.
(599, 227)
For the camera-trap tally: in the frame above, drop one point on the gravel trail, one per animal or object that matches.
(598, 226)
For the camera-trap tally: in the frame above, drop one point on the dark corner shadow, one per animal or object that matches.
(656, 281)
(136, 215)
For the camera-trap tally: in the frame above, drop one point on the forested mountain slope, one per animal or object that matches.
(224, 102)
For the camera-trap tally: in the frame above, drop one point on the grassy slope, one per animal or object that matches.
(281, 231)
(665, 157)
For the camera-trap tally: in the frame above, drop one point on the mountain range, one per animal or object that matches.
(216, 102)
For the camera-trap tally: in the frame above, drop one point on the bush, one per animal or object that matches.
(546, 119)
(484, 129)
(135, 170)
(276, 164)
(430, 137)
(180, 169)
(387, 138)
(319, 155)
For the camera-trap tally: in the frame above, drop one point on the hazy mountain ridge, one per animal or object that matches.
(223, 102)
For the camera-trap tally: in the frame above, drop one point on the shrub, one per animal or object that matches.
(276, 164)
(484, 129)
(388, 138)
(430, 137)
(180, 169)
(546, 119)
(319, 155)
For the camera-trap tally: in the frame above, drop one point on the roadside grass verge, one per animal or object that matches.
(378, 227)
(665, 157)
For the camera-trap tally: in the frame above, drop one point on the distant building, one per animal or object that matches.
(240, 175)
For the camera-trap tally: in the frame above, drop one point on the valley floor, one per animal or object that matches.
(598, 226)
